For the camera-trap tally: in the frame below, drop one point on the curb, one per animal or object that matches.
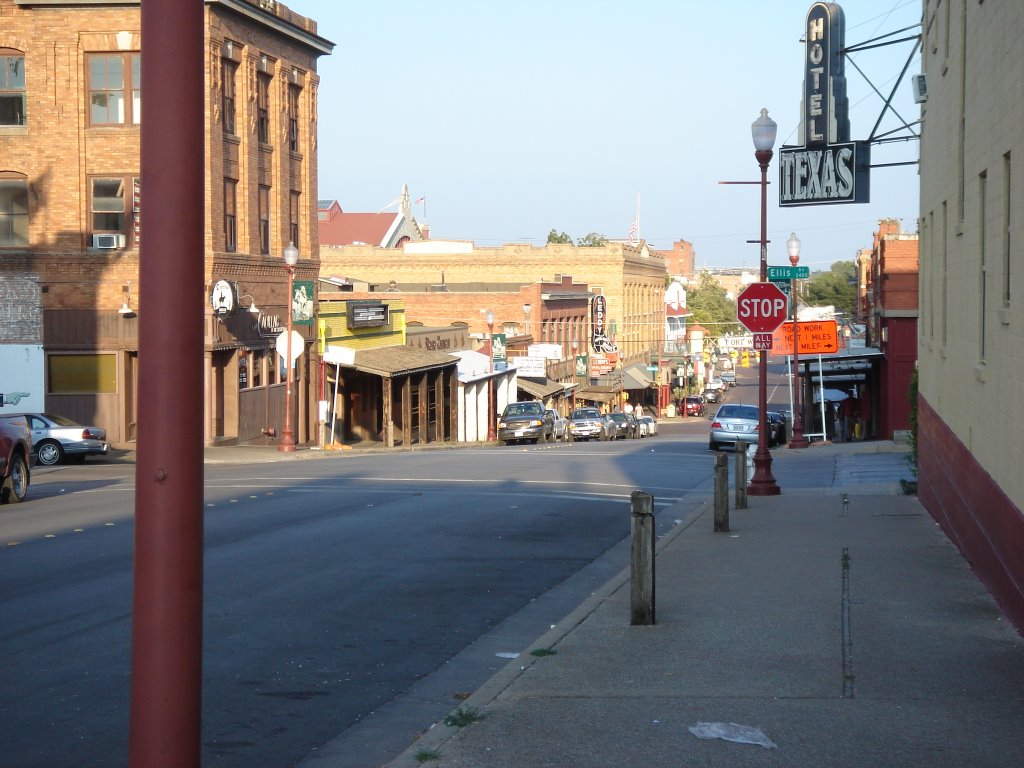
(438, 734)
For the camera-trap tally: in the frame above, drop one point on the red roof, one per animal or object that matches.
(349, 228)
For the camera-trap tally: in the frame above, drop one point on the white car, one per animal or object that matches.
(647, 426)
(561, 431)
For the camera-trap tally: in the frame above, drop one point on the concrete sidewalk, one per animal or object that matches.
(836, 618)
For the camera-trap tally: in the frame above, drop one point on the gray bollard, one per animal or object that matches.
(741, 474)
(721, 493)
(642, 559)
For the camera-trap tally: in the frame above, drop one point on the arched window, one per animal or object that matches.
(13, 209)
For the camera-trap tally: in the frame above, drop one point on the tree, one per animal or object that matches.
(712, 307)
(592, 240)
(559, 237)
(837, 287)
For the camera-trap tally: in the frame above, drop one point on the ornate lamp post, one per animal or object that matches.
(763, 132)
(490, 379)
(798, 440)
(291, 258)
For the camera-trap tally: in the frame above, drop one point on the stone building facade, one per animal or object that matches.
(72, 199)
(971, 327)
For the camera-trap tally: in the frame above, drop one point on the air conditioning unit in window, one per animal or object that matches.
(108, 241)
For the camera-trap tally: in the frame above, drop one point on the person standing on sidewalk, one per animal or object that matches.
(848, 412)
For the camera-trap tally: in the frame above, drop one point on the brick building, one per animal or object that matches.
(887, 303)
(631, 278)
(971, 329)
(72, 200)
(680, 262)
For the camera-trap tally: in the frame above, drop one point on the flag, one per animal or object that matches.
(420, 200)
(633, 229)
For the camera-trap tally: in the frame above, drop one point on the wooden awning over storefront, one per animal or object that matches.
(401, 360)
(541, 389)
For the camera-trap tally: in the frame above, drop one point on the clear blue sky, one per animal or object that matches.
(512, 119)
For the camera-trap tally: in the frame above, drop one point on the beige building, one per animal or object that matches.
(72, 201)
(631, 278)
(971, 324)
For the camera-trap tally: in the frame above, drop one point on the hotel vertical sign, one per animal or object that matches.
(828, 168)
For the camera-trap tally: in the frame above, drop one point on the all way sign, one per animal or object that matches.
(815, 337)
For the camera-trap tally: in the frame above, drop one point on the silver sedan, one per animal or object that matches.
(55, 438)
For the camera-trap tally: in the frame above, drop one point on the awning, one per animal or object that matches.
(540, 389)
(399, 360)
(635, 377)
(597, 394)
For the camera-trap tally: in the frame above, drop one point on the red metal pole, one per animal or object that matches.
(167, 602)
(763, 483)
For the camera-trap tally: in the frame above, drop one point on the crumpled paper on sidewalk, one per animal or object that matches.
(741, 734)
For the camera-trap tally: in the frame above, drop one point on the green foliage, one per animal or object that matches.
(592, 240)
(559, 237)
(427, 755)
(837, 287)
(711, 306)
(912, 457)
(462, 717)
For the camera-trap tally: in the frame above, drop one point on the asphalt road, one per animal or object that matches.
(334, 589)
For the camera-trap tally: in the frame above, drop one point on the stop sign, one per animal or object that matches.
(761, 307)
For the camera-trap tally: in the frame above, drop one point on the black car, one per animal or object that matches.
(625, 424)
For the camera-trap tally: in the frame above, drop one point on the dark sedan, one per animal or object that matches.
(625, 424)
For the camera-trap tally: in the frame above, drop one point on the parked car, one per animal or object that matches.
(561, 428)
(733, 423)
(695, 405)
(649, 426)
(56, 439)
(526, 420)
(729, 377)
(776, 421)
(15, 447)
(625, 424)
(589, 424)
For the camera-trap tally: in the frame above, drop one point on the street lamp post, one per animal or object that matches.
(291, 258)
(575, 344)
(763, 483)
(798, 440)
(490, 379)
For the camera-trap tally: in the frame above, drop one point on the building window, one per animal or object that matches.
(13, 209)
(81, 374)
(12, 87)
(107, 205)
(293, 117)
(115, 88)
(230, 216)
(293, 219)
(228, 69)
(263, 107)
(263, 204)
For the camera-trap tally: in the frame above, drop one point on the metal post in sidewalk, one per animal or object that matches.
(642, 559)
(741, 475)
(721, 493)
